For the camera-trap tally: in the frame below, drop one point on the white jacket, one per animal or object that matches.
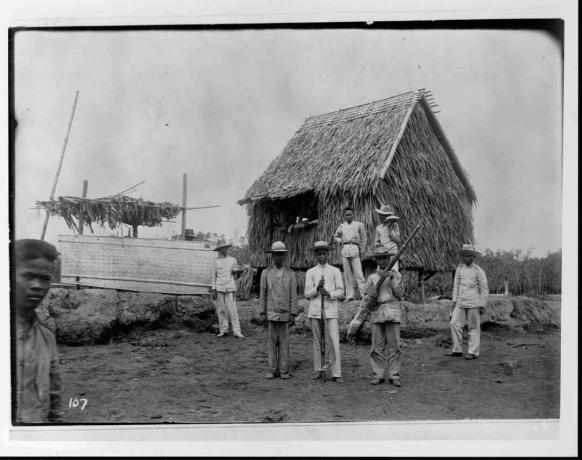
(470, 288)
(333, 284)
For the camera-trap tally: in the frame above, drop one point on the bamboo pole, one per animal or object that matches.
(52, 195)
(184, 203)
(85, 185)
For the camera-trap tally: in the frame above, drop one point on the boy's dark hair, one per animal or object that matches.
(30, 249)
(348, 208)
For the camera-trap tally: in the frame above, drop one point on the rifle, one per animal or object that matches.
(322, 340)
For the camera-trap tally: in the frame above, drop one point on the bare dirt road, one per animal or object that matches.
(176, 375)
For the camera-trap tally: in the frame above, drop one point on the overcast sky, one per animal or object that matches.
(221, 105)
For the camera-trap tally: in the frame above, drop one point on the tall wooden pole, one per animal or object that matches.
(184, 203)
(85, 185)
(52, 195)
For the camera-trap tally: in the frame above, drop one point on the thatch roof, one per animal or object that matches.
(389, 151)
(346, 151)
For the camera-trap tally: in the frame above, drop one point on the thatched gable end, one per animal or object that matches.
(390, 151)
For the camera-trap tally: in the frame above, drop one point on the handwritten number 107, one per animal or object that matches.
(75, 402)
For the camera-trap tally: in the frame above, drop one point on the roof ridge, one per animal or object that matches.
(363, 110)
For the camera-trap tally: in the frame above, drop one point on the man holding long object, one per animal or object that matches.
(381, 300)
(324, 293)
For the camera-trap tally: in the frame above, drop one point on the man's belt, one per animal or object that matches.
(388, 301)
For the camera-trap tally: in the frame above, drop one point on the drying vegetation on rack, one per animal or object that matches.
(110, 212)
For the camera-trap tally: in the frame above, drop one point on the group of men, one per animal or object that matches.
(324, 289)
(38, 384)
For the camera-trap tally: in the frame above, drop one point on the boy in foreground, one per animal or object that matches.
(38, 382)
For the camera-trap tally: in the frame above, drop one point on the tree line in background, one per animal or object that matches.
(520, 272)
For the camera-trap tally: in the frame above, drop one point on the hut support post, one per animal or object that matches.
(184, 203)
(84, 195)
(421, 285)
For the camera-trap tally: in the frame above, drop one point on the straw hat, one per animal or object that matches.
(221, 244)
(277, 247)
(388, 211)
(469, 248)
(381, 251)
(321, 245)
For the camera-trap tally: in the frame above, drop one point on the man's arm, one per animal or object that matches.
(55, 389)
(363, 310)
(338, 292)
(213, 276)
(456, 287)
(337, 236)
(293, 305)
(310, 289)
(395, 279)
(483, 287)
(263, 292)
(395, 232)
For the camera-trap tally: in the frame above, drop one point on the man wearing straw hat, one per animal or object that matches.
(470, 293)
(324, 281)
(223, 289)
(388, 232)
(351, 235)
(278, 301)
(385, 316)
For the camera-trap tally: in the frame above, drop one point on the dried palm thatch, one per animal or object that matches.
(245, 283)
(110, 211)
(390, 151)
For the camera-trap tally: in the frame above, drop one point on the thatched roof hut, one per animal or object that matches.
(389, 151)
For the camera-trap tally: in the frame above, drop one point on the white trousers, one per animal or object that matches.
(466, 317)
(354, 275)
(332, 335)
(225, 309)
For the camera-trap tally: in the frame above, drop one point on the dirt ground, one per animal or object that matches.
(175, 375)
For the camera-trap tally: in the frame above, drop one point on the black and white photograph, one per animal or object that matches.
(287, 224)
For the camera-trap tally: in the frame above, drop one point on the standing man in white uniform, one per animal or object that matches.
(351, 235)
(223, 289)
(470, 293)
(326, 280)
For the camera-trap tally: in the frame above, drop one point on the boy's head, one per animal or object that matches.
(33, 269)
(222, 248)
(349, 215)
(382, 256)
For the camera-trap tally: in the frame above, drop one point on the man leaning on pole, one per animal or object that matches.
(324, 284)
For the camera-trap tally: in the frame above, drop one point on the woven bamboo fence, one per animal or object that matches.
(145, 265)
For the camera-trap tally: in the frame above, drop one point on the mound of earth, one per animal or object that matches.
(96, 316)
